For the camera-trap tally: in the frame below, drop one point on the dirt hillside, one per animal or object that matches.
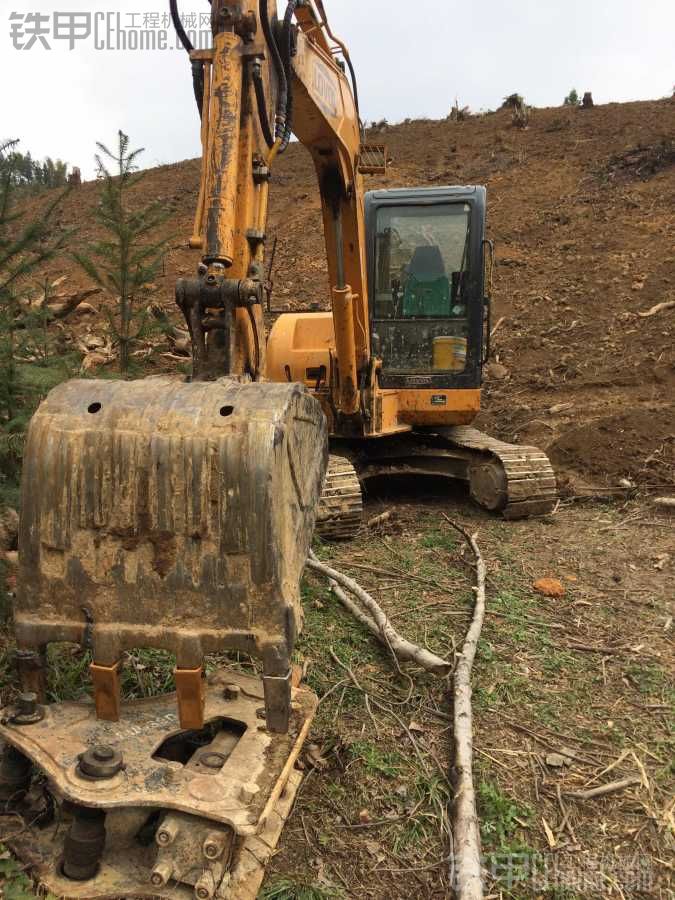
(582, 210)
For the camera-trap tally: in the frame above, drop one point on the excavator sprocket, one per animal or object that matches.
(341, 503)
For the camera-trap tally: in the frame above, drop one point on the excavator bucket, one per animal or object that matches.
(172, 515)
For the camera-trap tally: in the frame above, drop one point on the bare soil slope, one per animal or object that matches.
(582, 209)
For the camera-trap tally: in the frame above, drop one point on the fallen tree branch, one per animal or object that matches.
(497, 326)
(70, 304)
(468, 880)
(375, 619)
(383, 517)
(667, 304)
(610, 788)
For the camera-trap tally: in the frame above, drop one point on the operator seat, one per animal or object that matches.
(427, 262)
(427, 289)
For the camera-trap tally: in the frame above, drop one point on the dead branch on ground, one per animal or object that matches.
(667, 304)
(376, 620)
(465, 818)
(604, 789)
(70, 304)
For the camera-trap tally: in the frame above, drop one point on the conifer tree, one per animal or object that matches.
(129, 259)
(23, 248)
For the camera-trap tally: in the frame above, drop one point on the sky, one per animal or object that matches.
(412, 60)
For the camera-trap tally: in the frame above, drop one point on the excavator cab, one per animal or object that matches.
(426, 282)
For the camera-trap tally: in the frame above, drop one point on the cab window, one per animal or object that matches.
(420, 321)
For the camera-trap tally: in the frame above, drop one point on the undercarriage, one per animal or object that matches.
(514, 481)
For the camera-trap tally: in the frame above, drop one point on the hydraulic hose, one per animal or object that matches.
(259, 87)
(345, 53)
(198, 84)
(279, 67)
(355, 87)
(178, 25)
(197, 67)
(286, 51)
(256, 341)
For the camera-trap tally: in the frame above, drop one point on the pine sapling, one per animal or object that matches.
(128, 260)
(23, 249)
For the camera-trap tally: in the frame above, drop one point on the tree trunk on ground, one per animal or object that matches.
(467, 867)
(376, 620)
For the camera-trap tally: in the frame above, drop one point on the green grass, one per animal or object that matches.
(41, 378)
(499, 684)
(375, 760)
(14, 883)
(327, 625)
(145, 673)
(34, 381)
(432, 797)
(148, 673)
(438, 540)
(10, 490)
(547, 713)
(412, 834)
(499, 815)
(650, 679)
(508, 858)
(556, 661)
(285, 889)
(512, 603)
(67, 672)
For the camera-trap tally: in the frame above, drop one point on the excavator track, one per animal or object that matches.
(516, 481)
(341, 502)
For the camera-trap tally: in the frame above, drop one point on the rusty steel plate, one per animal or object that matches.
(256, 763)
(125, 865)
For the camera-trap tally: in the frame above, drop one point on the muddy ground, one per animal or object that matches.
(570, 692)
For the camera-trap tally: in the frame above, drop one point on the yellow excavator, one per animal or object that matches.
(177, 514)
(397, 362)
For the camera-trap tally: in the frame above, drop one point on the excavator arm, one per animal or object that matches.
(256, 65)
